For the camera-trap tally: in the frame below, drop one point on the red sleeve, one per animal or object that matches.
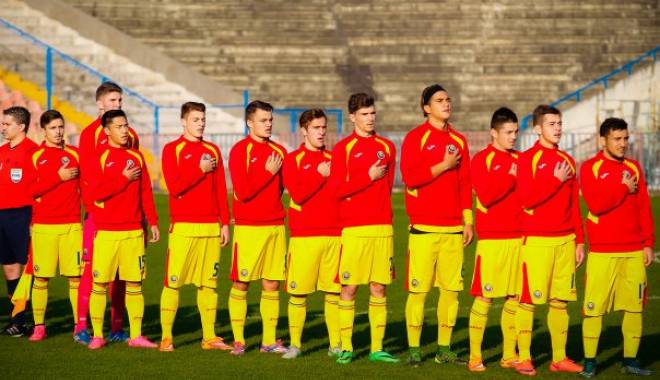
(600, 195)
(45, 180)
(246, 185)
(344, 184)
(534, 191)
(645, 214)
(102, 186)
(178, 181)
(465, 185)
(489, 186)
(576, 215)
(135, 140)
(414, 172)
(87, 151)
(300, 188)
(391, 169)
(221, 188)
(147, 196)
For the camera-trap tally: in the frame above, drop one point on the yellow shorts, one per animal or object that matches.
(435, 259)
(367, 255)
(312, 264)
(193, 255)
(615, 281)
(259, 252)
(121, 251)
(496, 267)
(547, 269)
(54, 244)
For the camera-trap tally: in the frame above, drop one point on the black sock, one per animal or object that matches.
(629, 361)
(11, 287)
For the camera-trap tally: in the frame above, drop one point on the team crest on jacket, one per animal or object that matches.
(64, 160)
(451, 148)
(206, 156)
(380, 155)
(130, 163)
(16, 175)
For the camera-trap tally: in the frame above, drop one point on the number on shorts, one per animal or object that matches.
(141, 260)
(78, 258)
(216, 269)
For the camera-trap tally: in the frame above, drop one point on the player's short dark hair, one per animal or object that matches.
(612, 124)
(502, 116)
(360, 100)
(542, 110)
(257, 105)
(20, 114)
(106, 88)
(49, 116)
(188, 107)
(309, 115)
(109, 116)
(428, 93)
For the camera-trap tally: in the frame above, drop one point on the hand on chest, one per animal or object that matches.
(363, 156)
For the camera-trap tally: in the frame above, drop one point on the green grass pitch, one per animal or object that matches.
(59, 357)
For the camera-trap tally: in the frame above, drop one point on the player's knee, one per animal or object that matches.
(41, 279)
(134, 284)
(377, 290)
(348, 292)
(483, 299)
(270, 285)
(238, 285)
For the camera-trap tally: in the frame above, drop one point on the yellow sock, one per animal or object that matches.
(447, 312)
(632, 334)
(74, 282)
(558, 327)
(346, 319)
(415, 317)
(134, 308)
(524, 325)
(207, 303)
(591, 328)
(238, 313)
(270, 312)
(169, 303)
(97, 301)
(508, 325)
(297, 313)
(331, 312)
(377, 321)
(477, 323)
(39, 299)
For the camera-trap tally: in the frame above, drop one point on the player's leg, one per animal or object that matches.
(80, 333)
(104, 269)
(562, 290)
(422, 261)
(117, 290)
(332, 289)
(70, 261)
(175, 277)
(508, 317)
(16, 242)
(45, 253)
(346, 319)
(207, 255)
(630, 296)
(382, 274)
(273, 270)
(449, 279)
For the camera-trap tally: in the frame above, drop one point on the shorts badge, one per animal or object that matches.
(64, 160)
(36, 268)
(590, 305)
(174, 278)
(244, 272)
(380, 155)
(488, 287)
(537, 294)
(95, 274)
(346, 275)
(16, 174)
(414, 283)
(451, 148)
(292, 285)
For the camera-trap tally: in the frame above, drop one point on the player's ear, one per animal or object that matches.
(427, 109)
(352, 117)
(99, 105)
(493, 133)
(603, 141)
(537, 129)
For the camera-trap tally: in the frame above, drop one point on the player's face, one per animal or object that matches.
(54, 132)
(505, 137)
(550, 129)
(260, 124)
(364, 120)
(10, 128)
(616, 143)
(315, 133)
(194, 124)
(110, 101)
(117, 131)
(439, 106)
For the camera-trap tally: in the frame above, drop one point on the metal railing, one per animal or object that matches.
(600, 81)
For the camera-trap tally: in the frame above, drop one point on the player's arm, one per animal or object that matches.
(246, 184)
(490, 186)
(414, 171)
(347, 184)
(601, 195)
(391, 167)
(645, 214)
(221, 188)
(535, 190)
(103, 186)
(45, 180)
(178, 181)
(300, 187)
(147, 202)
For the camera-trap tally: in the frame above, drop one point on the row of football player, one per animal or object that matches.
(528, 222)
